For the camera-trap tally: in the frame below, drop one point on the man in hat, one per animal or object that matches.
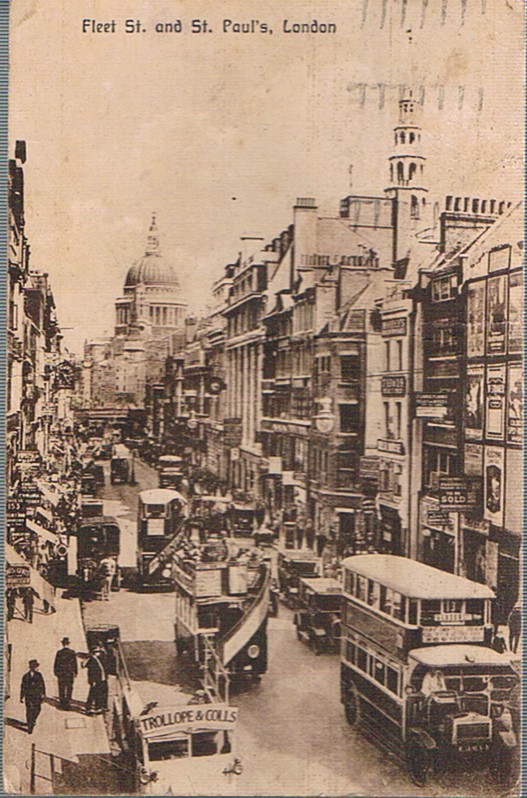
(98, 680)
(32, 692)
(65, 669)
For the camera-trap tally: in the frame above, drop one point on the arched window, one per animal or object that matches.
(411, 138)
(412, 170)
(391, 172)
(414, 207)
(400, 172)
(402, 136)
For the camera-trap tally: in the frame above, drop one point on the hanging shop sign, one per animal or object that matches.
(17, 576)
(388, 445)
(28, 456)
(370, 468)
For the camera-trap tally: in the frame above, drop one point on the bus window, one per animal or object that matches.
(475, 607)
(349, 582)
(351, 651)
(362, 659)
(361, 587)
(392, 679)
(398, 605)
(429, 608)
(168, 749)
(374, 596)
(387, 600)
(379, 671)
(154, 510)
(205, 743)
(412, 612)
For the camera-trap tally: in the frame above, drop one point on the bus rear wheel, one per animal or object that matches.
(352, 706)
(418, 762)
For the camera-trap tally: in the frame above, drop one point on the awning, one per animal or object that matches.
(42, 588)
(50, 537)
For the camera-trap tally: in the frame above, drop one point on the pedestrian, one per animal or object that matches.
(28, 601)
(65, 669)
(108, 570)
(97, 700)
(514, 622)
(32, 692)
(11, 603)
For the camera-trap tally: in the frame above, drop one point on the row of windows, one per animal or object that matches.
(379, 668)
(400, 137)
(381, 597)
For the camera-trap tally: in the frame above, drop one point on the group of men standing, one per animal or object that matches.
(65, 668)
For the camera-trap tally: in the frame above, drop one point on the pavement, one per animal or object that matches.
(66, 735)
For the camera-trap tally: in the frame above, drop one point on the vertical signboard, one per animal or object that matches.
(493, 484)
(515, 404)
(516, 312)
(473, 460)
(496, 315)
(474, 403)
(476, 319)
(495, 422)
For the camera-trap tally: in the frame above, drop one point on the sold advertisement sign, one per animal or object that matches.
(455, 493)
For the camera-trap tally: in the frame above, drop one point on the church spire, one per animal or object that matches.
(152, 242)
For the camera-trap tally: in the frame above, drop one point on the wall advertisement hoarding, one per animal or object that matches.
(516, 312)
(496, 315)
(495, 405)
(493, 484)
(515, 404)
(474, 403)
(476, 319)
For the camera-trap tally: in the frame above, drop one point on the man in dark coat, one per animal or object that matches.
(98, 680)
(65, 669)
(32, 692)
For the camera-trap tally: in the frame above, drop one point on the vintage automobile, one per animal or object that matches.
(317, 619)
(171, 477)
(120, 470)
(97, 539)
(242, 519)
(88, 485)
(293, 564)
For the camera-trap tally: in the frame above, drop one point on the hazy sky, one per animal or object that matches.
(220, 132)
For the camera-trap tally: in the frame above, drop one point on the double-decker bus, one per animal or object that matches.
(417, 671)
(160, 514)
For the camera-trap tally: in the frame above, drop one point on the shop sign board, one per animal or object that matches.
(187, 718)
(481, 526)
(391, 446)
(431, 405)
(453, 634)
(393, 386)
(515, 404)
(437, 518)
(473, 459)
(17, 576)
(16, 513)
(369, 468)
(28, 456)
(456, 493)
(394, 326)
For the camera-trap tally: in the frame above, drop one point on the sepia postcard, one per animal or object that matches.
(264, 423)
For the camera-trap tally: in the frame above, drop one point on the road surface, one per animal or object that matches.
(292, 736)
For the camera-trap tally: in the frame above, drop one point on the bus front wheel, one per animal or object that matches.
(352, 706)
(418, 762)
